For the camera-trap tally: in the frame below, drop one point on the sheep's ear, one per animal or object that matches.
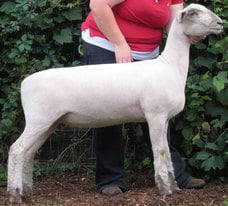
(191, 13)
(180, 16)
(188, 13)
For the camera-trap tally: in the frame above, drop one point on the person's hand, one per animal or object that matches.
(195, 39)
(123, 53)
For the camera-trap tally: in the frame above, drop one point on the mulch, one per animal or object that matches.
(80, 191)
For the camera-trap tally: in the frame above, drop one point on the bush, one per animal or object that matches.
(202, 124)
(35, 35)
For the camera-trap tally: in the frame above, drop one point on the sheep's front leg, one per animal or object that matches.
(164, 173)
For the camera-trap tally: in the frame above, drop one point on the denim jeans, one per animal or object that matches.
(108, 141)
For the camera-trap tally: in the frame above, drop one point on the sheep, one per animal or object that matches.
(110, 94)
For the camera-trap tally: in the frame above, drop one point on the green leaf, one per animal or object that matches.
(221, 143)
(213, 109)
(196, 138)
(187, 147)
(219, 162)
(43, 22)
(7, 7)
(6, 122)
(64, 36)
(146, 161)
(224, 116)
(4, 20)
(203, 155)
(217, 123)
(209, 164)
(187, 133)
(223, 75)
(73, 14)
(223, 97)
(13, 53)
(212, 146)
(200, 45)
(190, 115)
(206, 97)
(21, 47)
(195, 95)
(59, 19)
(213, 162)
(220, 80)
(205, 76)
(24, 37)
(225, 157)
(204, 62)
(46, 62)
(206, 84)
(219, 85)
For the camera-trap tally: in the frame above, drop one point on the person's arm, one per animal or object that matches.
(173, 12)
(105, 20)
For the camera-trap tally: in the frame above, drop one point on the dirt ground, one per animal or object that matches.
(79, 191)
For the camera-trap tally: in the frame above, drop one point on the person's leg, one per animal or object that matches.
(184, 180)
(107, 141)
(108, 144)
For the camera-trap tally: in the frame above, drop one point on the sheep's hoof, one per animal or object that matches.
(167, 187)
(27, 190)
(15, 196)
(169, 192)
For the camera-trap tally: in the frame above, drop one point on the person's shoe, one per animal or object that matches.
(195, 183)
(111, 191)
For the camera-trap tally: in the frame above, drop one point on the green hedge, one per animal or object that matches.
(203, 123)
(36, 35)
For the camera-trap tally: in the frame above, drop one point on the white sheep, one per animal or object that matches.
(110, 94)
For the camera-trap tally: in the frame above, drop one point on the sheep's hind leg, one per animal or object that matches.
(20, 162)
(164, 173)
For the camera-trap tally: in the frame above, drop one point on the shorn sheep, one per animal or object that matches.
(110, 94)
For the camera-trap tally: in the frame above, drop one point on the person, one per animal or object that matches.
(119, 31)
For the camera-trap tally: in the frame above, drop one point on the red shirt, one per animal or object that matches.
(140, 21)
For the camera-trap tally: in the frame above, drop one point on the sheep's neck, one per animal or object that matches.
(176, 51)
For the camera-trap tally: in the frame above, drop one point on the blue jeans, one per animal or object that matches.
(108, 141)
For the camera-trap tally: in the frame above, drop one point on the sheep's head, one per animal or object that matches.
(197, 20)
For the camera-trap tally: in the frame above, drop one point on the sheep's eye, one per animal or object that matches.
(193, 13)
